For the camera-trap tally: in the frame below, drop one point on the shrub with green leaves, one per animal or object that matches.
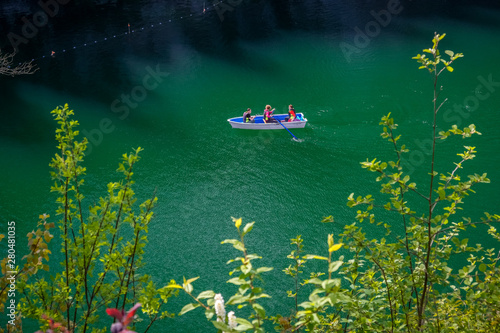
(102, 245)
(404, 281)
(249, 293)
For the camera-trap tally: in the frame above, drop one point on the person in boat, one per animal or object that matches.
(291, 114)
(247, 116)
(268, 112)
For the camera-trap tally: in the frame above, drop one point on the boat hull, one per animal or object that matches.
(259, 123)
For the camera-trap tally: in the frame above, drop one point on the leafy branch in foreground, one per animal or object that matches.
(420, 274)
(248, 294)
(102, 247)
(414, 271)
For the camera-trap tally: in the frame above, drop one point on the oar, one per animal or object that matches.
(287, 129)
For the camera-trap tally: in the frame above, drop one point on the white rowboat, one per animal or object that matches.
(259, 124)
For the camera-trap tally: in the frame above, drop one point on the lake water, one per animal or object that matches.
(170, 84)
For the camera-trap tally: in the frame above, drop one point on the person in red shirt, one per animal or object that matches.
(291, 113)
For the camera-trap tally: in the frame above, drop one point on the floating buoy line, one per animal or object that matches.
(130, 31)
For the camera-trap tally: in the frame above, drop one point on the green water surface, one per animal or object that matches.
(204, 172)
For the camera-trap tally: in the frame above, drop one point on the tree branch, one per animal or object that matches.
(7, 67)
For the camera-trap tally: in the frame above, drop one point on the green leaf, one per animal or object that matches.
(237, 299)
(188, 307)
(236, 244)
(449, 68)
(260, 310)
(221, 326)
(334, 266)
(264, 269)
(327, 219)
(246, 268)
(188, 288)
(315, 281)
(191, 280)
(206, 294)
(209, 314)
(248, 227)
(237, 281)
(313, 256)
(244, 324)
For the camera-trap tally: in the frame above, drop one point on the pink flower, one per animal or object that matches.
(122, 319)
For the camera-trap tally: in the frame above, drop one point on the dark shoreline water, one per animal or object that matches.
(263, 52)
